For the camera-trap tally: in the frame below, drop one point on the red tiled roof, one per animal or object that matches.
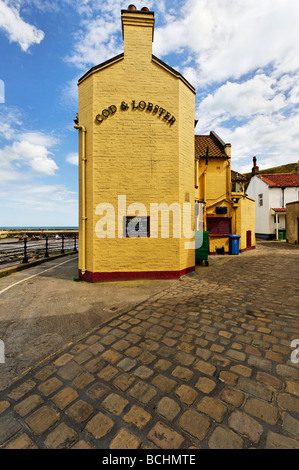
(216, 146)
(279, 209)
(281, 180)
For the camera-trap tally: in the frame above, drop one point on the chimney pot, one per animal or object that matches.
(255, 168)
(144, 9)
(136, 44)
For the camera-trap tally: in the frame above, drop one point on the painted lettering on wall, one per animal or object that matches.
(147, 107)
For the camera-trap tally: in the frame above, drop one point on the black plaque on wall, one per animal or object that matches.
(137, 227)
(221, 210)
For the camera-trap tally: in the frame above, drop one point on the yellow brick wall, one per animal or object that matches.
(186, 163)
(246, 220)
(137, 154)
(218, 193)
(218, 242)
(216, 179)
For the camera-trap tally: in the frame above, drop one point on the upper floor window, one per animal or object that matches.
(260, 199)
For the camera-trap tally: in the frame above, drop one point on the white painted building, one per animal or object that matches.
(271, 193)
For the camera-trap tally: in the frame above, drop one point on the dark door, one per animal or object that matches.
(298, 231)
(248, 239)
(219, 225)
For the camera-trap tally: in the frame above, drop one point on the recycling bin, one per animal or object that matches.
(234, 244)
(202, 253)
(281, 234)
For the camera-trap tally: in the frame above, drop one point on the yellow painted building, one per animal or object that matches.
(136, 152)
(227, 208)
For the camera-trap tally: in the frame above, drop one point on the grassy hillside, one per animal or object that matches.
(288, 168)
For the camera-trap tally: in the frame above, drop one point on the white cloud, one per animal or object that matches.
(258, 95)
(28, 153)
(241, 56)
(69, 92)
(259, 117)
(273, 139)
(72, 158)
(9, 122)
(229, 39)
(38, 138)
(95, 43)
(17, 29)
(99, 34)
(27, 149)
(48, 6)
(54, 193)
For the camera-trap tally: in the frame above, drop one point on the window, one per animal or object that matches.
(137, 226)
(260, 200)
(276, 216)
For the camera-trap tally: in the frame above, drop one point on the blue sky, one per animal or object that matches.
(242, 58)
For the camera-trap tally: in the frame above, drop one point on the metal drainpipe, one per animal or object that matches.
(83, 217)
(228, 178)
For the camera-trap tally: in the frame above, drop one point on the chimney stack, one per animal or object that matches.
(255, 168)
(138, 33)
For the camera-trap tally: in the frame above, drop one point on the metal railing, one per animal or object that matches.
(26, 250)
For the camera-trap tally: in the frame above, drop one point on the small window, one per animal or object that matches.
(137, 227)
(276, 217)
(261, 202)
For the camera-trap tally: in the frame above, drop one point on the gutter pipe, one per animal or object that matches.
(83, 190)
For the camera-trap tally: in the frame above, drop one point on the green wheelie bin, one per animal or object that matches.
(202, 242)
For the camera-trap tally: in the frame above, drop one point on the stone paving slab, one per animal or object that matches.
(204, 364)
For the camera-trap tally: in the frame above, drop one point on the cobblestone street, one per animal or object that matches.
(206, 363)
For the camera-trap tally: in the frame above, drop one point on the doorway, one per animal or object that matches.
(248, 239)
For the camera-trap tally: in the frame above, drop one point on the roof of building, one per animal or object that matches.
(121, 56)
(101, 66)
(212, 142)
(173, 71)
(235, 176)
(281, 180)
(279, 209)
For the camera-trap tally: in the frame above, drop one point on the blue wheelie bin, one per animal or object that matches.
(234, 244)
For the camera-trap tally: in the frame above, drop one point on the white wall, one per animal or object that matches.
(275, 198)
(291, 195)
(278, 199)
(262, 213)
(272, 198)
